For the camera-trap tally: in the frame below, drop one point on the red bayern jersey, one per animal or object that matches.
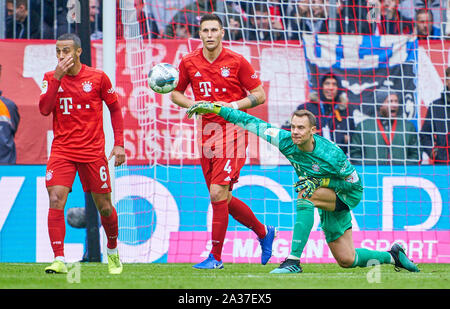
(226, 79)
(78, 113)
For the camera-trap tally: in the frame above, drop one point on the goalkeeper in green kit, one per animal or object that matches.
(327, 181)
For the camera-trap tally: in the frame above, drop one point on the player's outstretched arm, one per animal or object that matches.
(248, 122)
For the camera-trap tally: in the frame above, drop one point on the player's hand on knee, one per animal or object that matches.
(203, 107)
(309, 185)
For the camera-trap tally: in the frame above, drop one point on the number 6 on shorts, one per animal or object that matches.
(103, 174)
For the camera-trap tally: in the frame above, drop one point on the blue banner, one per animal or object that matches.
(365, 63)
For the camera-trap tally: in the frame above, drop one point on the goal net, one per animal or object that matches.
(375, 78)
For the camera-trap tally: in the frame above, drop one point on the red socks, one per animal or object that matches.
(219, 227)
(241, 212)
(111, 227)
(244, 215)
(56, 230)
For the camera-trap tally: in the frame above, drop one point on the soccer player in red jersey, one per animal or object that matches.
(74, 94)
(217, 74)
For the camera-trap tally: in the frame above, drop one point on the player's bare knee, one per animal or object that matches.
(103, 204)
(56, 200)
(218, 194)
(105, 210)
(345, 262)
(104, 207)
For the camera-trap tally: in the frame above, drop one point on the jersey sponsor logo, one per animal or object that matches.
(87, 86)
(111, 90)
(60, 89)
(66, 105)
(105, 186)
(44, 87)
(205, 88)
(225, 71)
(254, 76)
(197, 74)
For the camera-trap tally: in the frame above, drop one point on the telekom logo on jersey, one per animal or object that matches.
(66, 105)
(206, 88)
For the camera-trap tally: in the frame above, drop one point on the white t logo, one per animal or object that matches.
(65, 105)
(205, 87)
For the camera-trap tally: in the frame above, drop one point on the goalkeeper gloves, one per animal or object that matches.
(203, 108)
(310, 185)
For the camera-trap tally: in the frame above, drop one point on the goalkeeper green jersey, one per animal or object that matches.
(327, 160)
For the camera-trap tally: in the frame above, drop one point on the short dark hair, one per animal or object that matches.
(307, 113)
(208, 17)
(425, 11)
(19, 3)
(71, 37)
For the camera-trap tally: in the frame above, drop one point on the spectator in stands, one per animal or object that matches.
(95, 20)
(356, 16)
(190, 16)
(9, 121)
(300, 13)
(435, 132)
(144, 18)
(147, 19)
(392, 21)
(234, 32)
(315, 17)
(382, 17)
(50, 8)
(330, 106)
(263, 26)
(22, 23)
(183, 26)
(386, 139)
(277, 11)
(438, 8)
(319, 22)
(424, 27)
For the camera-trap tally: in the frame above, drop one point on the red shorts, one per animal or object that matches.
(94, 176)
(222, 166)
(222, 171)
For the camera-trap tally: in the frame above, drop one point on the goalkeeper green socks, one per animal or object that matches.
(302, 228)
(366, 257)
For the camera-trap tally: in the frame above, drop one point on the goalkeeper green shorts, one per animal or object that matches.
(335, 223)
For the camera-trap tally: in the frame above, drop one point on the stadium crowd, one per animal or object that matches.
(385, 137)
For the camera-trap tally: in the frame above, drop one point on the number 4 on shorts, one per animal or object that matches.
(227, 167)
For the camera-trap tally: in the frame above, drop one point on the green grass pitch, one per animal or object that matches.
(233, 276)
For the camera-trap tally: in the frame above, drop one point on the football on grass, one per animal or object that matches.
(163, 78)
